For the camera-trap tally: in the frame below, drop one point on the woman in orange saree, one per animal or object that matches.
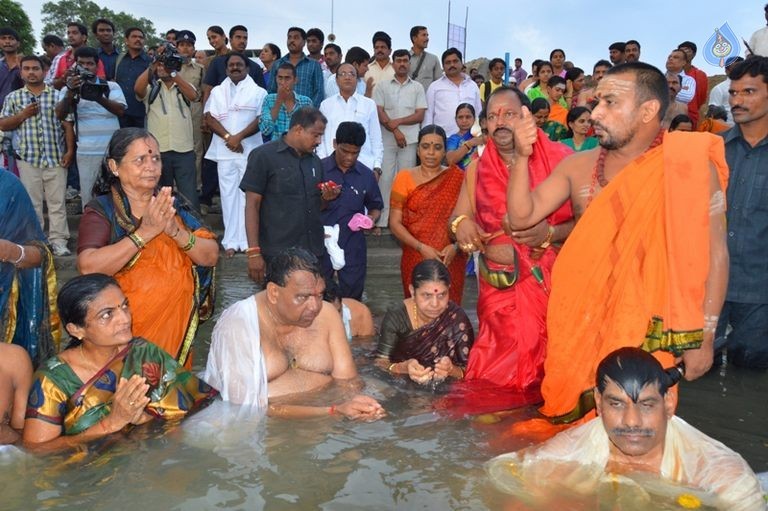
(422, 200)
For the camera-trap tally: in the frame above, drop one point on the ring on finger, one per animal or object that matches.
(131, 403)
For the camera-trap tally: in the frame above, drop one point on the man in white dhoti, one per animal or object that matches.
(235, 108)
(637, 452)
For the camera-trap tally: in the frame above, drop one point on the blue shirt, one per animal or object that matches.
(359, 191)
(126, 74)
(309, 77)
(109, 60)
(10, 80)
(747, 216)
(276, 128)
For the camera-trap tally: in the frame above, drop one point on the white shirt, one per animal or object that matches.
(358, 109)
(719, 96)
(759, 42)
(235, 106)
(688, 90)
(443, 96)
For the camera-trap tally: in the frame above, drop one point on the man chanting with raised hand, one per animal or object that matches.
(636, 455)
(647, 263)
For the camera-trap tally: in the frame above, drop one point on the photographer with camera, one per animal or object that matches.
(95, 106)
(168, 98)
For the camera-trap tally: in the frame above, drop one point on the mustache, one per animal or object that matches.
(644, 432)
(739, 109)
(497, 130)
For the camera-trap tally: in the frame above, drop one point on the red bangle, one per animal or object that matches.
(332, 410)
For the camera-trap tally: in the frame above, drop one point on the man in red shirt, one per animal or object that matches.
(77, 35)
(702, 83)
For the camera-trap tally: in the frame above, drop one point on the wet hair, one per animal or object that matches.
(275, 49)
(678, 120)
(332, 291)
(430, 270)
(753, 66)
(556, 80)
(116, 150)
(102, 21)
(539, 104)
(87, 52)
(316, 32)
(383, 37)
(351, 133)
(432, 129)
(280, 267)
(415, 31)
(602, 63)
(717, 112)
(287, 65)
(469, 107)
(495, 61)
(237, 28)
(521, 96)
(11, 32)
(633, 369)
(687, 44)
(552, 53)
(573, 114)
(80, 27)
(650, 83)
(300, 30)
(28, 58)
(356, 55)
(235, 54)
(574, 73)
(632, 41)
(77, 294)
(306, 117)
(400, 53)
(335, 48)
(128, 31)
(618, 46)
(451, 51)
(48, 40)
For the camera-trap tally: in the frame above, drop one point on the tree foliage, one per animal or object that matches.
(56, 15)
(12, 15)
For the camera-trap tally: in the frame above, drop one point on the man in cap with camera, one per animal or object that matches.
(95, 106)
(193, 73)
(169, 97)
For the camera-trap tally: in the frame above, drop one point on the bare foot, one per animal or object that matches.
(229, 253)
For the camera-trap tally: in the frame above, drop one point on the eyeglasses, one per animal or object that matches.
(347, 74)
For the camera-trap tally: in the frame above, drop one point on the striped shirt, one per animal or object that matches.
(276, 128)
(41, 137)
(309, 77)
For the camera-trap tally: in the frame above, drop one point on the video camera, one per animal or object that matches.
(91, 86)
(169, 58)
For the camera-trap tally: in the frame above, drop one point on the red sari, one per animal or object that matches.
(426, 209)
(509, 350)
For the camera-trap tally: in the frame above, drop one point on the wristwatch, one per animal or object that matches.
(173, 74)
(377, 171)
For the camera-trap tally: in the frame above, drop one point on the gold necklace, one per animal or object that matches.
(415, 316)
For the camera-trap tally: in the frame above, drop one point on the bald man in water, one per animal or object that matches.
(285, 341)
(15, 381)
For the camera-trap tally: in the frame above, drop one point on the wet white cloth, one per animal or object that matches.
(230, 173)
(576, 458)
(335, 252)
(236, 366)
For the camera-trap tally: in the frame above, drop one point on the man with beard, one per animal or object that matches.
(631, 51)
(647, 263)
(331, 59)
(508, 354)
(637, 438)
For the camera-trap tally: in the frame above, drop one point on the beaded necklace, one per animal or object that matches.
(598, 175)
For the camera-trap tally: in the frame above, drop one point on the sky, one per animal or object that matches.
(529, 30)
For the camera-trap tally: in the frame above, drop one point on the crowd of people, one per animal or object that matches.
(615, 223)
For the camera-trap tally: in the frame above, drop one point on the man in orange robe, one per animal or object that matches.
(647, 263)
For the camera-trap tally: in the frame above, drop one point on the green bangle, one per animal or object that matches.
(137, 240)
(190, 243)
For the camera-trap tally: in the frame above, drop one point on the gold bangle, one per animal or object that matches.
(456, 222)
(389, 369)
(251, 256)
(137, 240)
(548, 240)
(190, 243)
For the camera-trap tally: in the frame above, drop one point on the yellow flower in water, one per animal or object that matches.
(688, 501)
